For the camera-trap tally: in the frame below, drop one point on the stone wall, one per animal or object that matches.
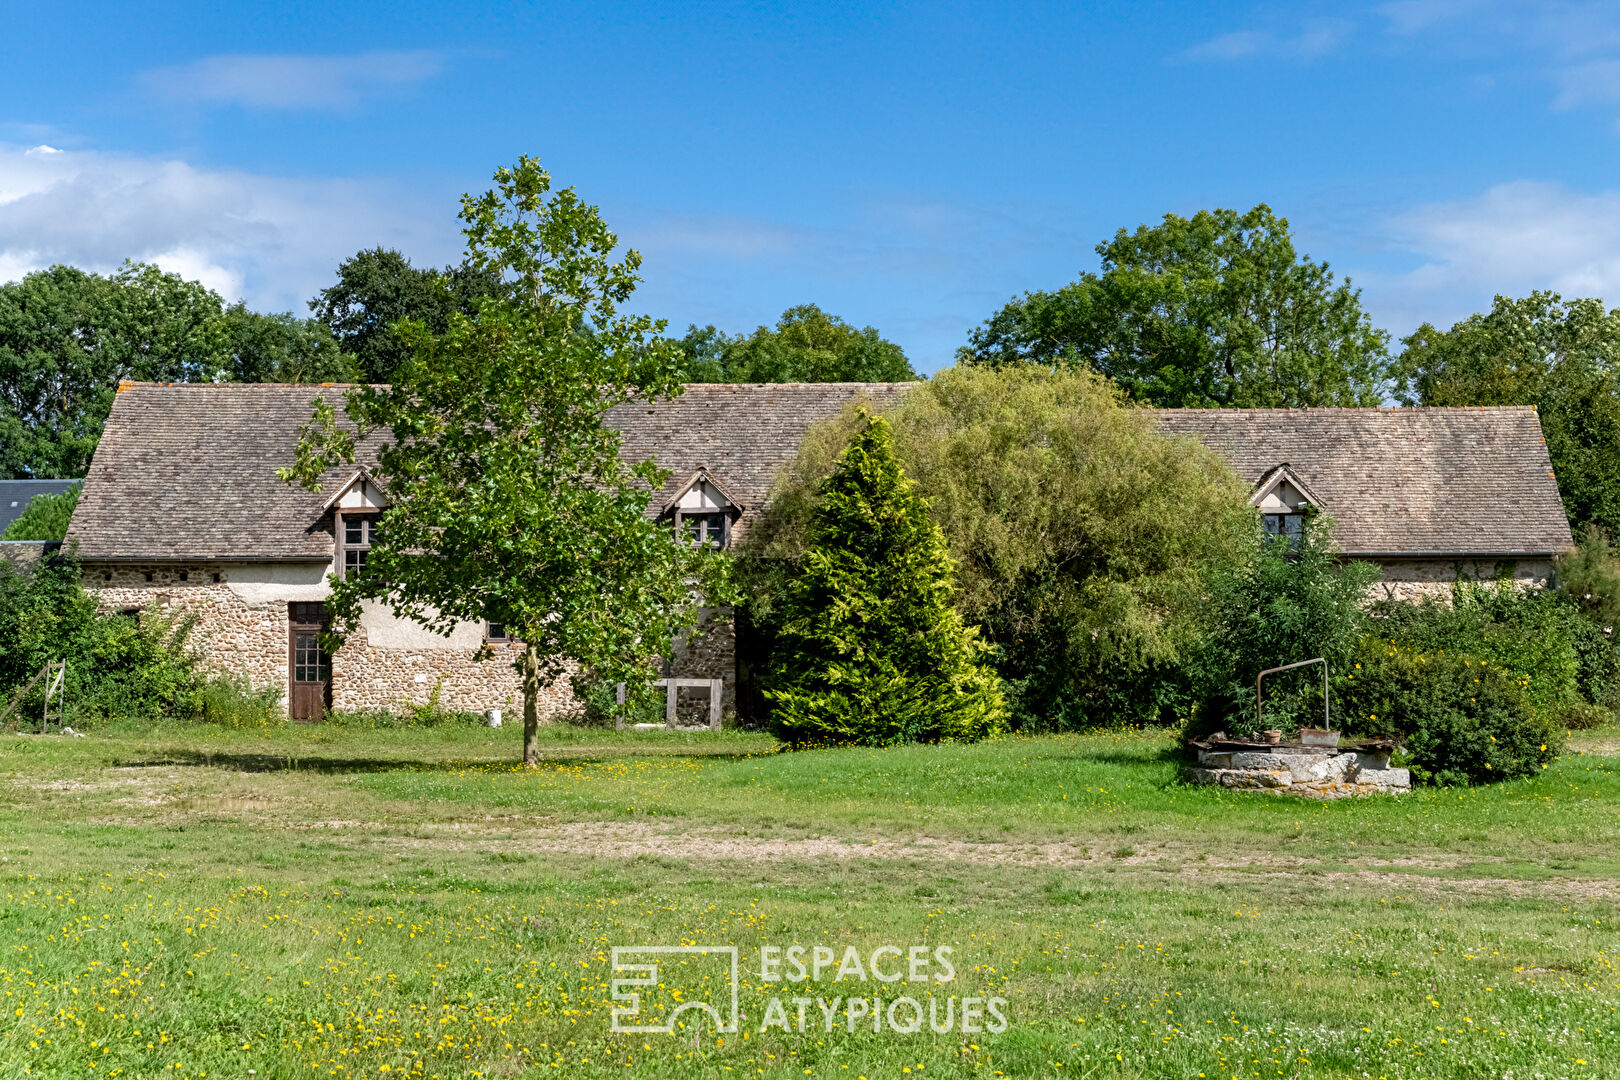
(1315, 772)
(1417, 579)
(242, 629)
(709, 653)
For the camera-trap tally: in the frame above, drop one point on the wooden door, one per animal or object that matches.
(309, 667)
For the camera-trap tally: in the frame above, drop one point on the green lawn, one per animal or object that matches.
(325, 902)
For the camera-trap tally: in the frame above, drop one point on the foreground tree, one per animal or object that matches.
(806, 345)
(1083, 539)
(508, 499)
(377, 290)
(1562, 357)
(1213, 310)
(869, 649)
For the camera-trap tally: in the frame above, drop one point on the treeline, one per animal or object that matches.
(1221, 310)
(68, 337)
(1217, 309)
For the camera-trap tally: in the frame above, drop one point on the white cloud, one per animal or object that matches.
(1512, 239)
(1315, 38)
(291, 81)
(271, 241)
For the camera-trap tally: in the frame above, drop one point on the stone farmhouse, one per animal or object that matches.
(182, 511)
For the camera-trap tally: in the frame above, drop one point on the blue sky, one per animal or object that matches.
(907, 166)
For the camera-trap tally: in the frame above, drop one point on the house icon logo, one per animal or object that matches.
(698, 965)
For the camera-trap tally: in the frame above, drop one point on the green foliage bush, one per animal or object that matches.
(1279, 605)
(230, 701)
(1462, 719)
(119, 668)
(1081, 536)
(869, 649)
(1590, 577)
(1531, 633)
(1582, 716)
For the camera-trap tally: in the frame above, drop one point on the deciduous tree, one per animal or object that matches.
(508, 500)
(1213, 310)
(67, 338)
(805, 345)
(378, 289)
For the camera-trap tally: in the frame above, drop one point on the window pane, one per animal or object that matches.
(354, 530)
(354, 562)
(495, 631)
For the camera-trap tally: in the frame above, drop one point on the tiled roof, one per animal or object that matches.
(1464, 481)
(741, 433)
(188, 471)
(15, 495)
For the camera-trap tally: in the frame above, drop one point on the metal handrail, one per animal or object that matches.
(1259, 709)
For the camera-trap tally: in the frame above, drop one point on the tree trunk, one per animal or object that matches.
(531, 707)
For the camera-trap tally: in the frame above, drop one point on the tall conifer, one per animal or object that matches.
(869, 649)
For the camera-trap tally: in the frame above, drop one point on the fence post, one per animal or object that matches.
(717, 689)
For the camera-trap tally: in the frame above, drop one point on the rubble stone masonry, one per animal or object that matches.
(242, 629)
(1419, 579)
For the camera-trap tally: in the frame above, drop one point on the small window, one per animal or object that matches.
(1286, 526)
(496, 633)
(358, 535)
(705, 530)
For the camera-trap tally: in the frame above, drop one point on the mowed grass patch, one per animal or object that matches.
(1121, 785)
(319, 903)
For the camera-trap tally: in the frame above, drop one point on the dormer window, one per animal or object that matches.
(1290, 527)
(705, 530)
(358, 534)
(702, 510)
(1284, 500)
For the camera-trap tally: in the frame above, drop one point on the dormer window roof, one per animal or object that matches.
(1283, 498)
(703, 509)
(361, 492)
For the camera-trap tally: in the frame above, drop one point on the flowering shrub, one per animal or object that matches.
(1462, 719)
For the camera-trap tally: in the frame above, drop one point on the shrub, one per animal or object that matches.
(1590, 577)
(230, 701)
(869, 649)
(118, 667)
(1582, 716)
(1081, 536)
(1282, 604)
(1462, 719)
(1529, 632)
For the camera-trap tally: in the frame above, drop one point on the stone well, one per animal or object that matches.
(1321, 772)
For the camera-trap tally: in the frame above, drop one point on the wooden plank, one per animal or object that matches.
(717, 689)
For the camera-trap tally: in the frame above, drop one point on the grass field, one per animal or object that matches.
(320, 902)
